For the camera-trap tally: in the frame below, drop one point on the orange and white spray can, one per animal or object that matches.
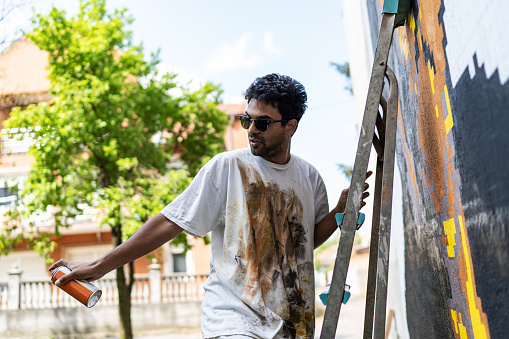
(81, 290)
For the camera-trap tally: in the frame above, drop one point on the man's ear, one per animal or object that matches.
(292, 126)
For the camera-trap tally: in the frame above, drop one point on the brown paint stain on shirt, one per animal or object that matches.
(274, 248)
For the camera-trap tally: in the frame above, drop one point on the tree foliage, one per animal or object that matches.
(107, 136)
(112, 127)
(344, 69)
(347, 170)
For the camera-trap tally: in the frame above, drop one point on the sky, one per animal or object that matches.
(230, 43)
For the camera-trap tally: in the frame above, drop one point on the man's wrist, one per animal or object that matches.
(100, 267)
(339, 209)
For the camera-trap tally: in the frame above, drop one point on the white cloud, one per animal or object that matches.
(183, 78)
(268, 44)
(228, 57)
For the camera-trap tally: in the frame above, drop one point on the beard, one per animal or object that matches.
(267, 150)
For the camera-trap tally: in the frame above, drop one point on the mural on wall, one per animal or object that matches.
(451, 62)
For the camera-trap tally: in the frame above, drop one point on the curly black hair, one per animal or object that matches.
(284, 93)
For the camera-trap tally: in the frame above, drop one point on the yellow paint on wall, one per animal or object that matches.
(431, 77)
(454, 317)
(477, 325)
(420, 38)
(450, 231)
(459, 328)
(436, 110)
(403, 45)
(448, 121)
(463, 332)
(411, 22)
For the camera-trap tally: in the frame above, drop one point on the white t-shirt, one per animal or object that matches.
(262, 217)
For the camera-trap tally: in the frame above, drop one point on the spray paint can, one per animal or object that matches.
(81, 290)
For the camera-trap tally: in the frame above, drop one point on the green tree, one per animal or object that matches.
(106, 138)
(347, 170)
(344, 69)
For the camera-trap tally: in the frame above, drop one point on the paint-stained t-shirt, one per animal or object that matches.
(261, 216)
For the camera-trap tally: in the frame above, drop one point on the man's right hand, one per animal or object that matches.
(79, 270)
(153, 234)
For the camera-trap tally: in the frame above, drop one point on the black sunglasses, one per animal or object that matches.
(261, 125)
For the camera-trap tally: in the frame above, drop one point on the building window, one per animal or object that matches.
(179, 263)
(4, 192)
(6, 196)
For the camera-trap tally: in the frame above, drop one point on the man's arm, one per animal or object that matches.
(325, 228)
(153, 234)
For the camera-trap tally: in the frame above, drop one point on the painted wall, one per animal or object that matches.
(451, 61)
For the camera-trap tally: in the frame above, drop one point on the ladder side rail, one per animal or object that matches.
(386, 207)
(358, 178)
(369, 314)
(369, 310)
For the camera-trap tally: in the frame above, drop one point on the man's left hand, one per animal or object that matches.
(344, 195)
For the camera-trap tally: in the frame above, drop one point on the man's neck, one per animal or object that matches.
(281, 159)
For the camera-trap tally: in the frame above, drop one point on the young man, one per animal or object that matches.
(267, 211)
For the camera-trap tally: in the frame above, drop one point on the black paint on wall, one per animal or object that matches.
(427, 284)
(481, 135)
(480, 144)
(481, 120)
(428, 312)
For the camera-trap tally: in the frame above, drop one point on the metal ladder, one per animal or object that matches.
(378, 131)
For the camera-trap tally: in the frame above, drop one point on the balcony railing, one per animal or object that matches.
(147, 288)
(17, 140)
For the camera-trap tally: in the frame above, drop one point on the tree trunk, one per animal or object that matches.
(124, 287)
